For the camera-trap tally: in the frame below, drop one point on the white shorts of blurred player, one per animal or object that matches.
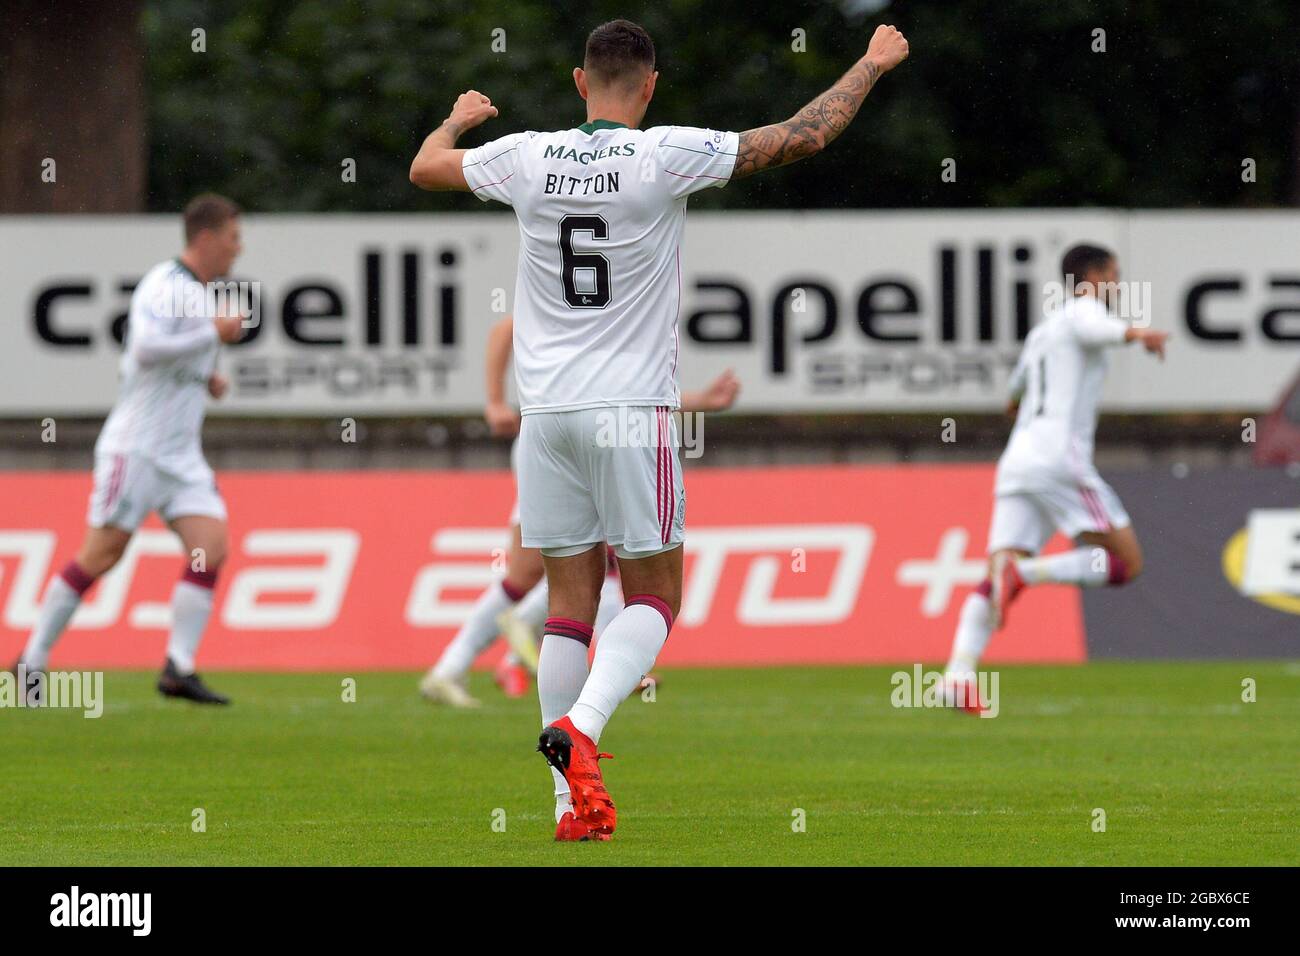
(128, 487)
(1026, 520)
(514, 471)
(608, 474)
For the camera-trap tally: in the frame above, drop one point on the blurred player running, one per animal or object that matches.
(512, 606)
(1046, 481)
(601, 210)
(149, 455)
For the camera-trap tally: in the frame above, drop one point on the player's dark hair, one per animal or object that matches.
(618, 52)
(1079, 260)
(208, 211)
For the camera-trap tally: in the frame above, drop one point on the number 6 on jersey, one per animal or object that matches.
(585, 274)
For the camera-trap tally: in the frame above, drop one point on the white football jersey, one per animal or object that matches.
(600, 210)
(1058, 379)
(170, 351)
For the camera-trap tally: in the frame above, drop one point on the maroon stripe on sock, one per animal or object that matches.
(985, 587)
(1118, 570)
(567, 627)
(515, 594)
(75, 577)
(204, 579)
(649, 600)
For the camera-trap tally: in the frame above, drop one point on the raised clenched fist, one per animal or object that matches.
(887, 49)
(471, 109)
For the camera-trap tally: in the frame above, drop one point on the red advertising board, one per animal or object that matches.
(375, 570)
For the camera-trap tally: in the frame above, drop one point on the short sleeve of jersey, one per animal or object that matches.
(490, 168)
(693, 159)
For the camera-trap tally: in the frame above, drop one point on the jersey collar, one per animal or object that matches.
(594, 125)
(186, 269)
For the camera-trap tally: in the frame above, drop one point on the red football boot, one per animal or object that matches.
(511, 678)
(963, 694)
(1007, 583)
(571, 829)
(571, 752)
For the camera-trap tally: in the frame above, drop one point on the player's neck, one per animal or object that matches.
(190, 261)
(611, 111)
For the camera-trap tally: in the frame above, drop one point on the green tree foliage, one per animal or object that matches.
(1012, 91)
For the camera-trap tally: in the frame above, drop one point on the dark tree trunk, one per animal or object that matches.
(72, 90)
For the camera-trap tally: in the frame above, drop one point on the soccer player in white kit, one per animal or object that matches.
(601, 210)
(149, 455)
(1046, 481)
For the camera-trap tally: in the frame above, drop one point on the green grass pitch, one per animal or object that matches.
(711, 772)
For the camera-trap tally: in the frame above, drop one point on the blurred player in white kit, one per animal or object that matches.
(516, 606)
(149, 455)
(1046, 481)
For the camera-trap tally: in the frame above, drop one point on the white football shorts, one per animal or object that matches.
(128, 487)
(608, 474)
(1025, 520)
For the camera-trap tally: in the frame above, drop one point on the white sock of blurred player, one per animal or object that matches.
(625, 653)
(974, 627)
(1086, 567)
(479, 630)
(532, 610)
(62, 598)
(561, 674)
(1083, 567)
(611, 603)
(191, 608)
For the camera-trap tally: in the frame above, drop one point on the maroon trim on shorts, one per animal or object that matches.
(1092, 501)
(114, 482)
(661, 493)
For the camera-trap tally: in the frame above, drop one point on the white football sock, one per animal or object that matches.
(561, 672)
(532, 610)
(974, 628)
(478, 631)
(191, 608)
(563, 802)
(61, 602)
(611, 602)
(1088, 567)
(625, 653)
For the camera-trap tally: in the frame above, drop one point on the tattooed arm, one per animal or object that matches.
(811, 130)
